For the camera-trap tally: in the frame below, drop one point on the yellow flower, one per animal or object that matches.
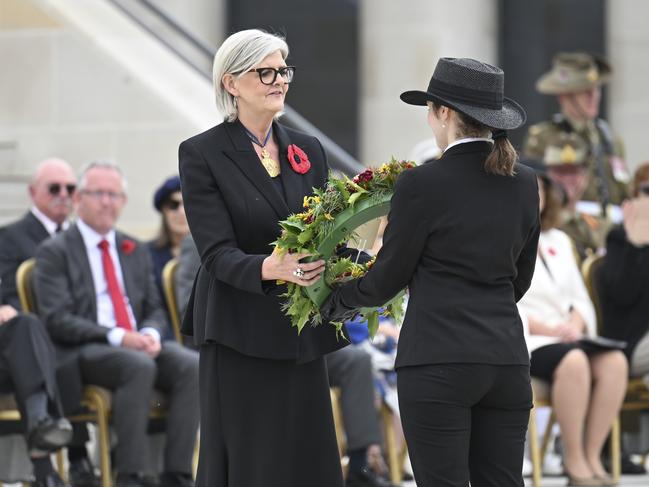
(357, 272)
(306, 216)
(328, 216)
(309, 201)
(305, 203)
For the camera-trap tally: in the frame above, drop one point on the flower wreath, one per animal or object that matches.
(329, 219)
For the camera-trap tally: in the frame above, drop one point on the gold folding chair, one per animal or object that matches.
(96, 400)
(171, 299)
(169, 286)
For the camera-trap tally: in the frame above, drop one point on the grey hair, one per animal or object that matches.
(104, 164)
(236, 56)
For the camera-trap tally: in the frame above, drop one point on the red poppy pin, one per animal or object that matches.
(298, 159)
(128, 246)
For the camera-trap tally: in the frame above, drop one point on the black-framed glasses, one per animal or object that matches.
(55, 188)
(173, 205)
(644, 189)
(268, 75)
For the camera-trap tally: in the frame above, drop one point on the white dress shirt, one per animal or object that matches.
(105, 310)
(49, 224)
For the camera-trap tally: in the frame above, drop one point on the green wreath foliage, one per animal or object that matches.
(329, 220)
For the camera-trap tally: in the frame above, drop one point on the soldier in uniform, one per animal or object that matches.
(566, 159)
(576, 79)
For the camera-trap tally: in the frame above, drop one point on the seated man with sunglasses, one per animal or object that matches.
(50, 189)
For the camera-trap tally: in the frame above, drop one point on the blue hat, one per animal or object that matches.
(170, 186)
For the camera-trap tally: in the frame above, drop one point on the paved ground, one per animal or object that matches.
(627, 480)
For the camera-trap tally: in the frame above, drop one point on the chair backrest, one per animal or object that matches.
(169, 286)
(24, 285)
(589, 269)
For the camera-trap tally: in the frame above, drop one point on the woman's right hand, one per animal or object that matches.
(284, 266)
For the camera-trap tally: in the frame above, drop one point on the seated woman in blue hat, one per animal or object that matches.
(168, 200)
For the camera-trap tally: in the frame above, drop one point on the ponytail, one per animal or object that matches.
(503, 156)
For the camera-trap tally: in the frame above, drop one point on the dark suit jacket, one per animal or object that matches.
(623, 287)
(464, 242)
(233, 208)
(66, 293)
(18, 243)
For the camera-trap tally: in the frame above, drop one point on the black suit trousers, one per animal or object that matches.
(27, 361)
(132, 376)
(465, 422)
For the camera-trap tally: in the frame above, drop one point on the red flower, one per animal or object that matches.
(364, 177)
(128, 246)
(298, 159)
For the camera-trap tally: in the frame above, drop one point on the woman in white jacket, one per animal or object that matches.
(588, 386)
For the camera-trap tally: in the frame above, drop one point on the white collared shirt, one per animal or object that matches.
(49, 224)
(105, 310)
(466, 140)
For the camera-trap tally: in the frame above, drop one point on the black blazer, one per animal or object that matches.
(18, 243)
(464, 242)
(65, 290)
(623, 287)
(233, 208)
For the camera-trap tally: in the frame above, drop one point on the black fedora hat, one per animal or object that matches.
(473, 88)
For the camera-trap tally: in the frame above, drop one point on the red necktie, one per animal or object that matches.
(119, 307)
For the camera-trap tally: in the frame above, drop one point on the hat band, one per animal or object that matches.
(485, 99)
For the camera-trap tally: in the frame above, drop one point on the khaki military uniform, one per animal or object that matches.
(587, 232)
(574, 72)
(611, 184)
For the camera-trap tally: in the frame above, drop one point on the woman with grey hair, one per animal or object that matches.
(265, 409)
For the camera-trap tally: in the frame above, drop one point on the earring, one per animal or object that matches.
(236, 102)
(443, 125)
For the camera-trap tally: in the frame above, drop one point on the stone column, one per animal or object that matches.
(399, 48)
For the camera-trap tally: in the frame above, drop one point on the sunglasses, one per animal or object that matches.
(55, 188)
(173, 204)
(644, 189)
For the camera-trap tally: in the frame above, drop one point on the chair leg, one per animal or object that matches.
(534, 450)
(547, 434)
(615, 445)
(103, 434)
(197, 449)
(391, 445)
(60, 465)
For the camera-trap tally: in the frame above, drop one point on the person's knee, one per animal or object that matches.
(574, 364)
(141, 368)
(615, 363)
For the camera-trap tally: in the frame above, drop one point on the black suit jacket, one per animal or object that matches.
(66, 293)
(18, 243)
(464, 242)
(233, 208)
(623, 287)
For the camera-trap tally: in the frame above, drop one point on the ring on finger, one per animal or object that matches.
(298, 272)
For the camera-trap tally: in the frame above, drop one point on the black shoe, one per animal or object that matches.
(366, 478)
(135, 480)
(176, 479)
(631, 468)
(52, 480)
(49, 434)
(82, 474)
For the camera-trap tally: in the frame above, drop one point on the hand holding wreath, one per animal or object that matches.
(288, 268)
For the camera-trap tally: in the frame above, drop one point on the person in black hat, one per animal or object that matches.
(168, 200)
(462, 236)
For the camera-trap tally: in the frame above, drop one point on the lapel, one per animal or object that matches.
(77, 249)
(294, 183)
(130, 267)
(35, 229)
(246, 159)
